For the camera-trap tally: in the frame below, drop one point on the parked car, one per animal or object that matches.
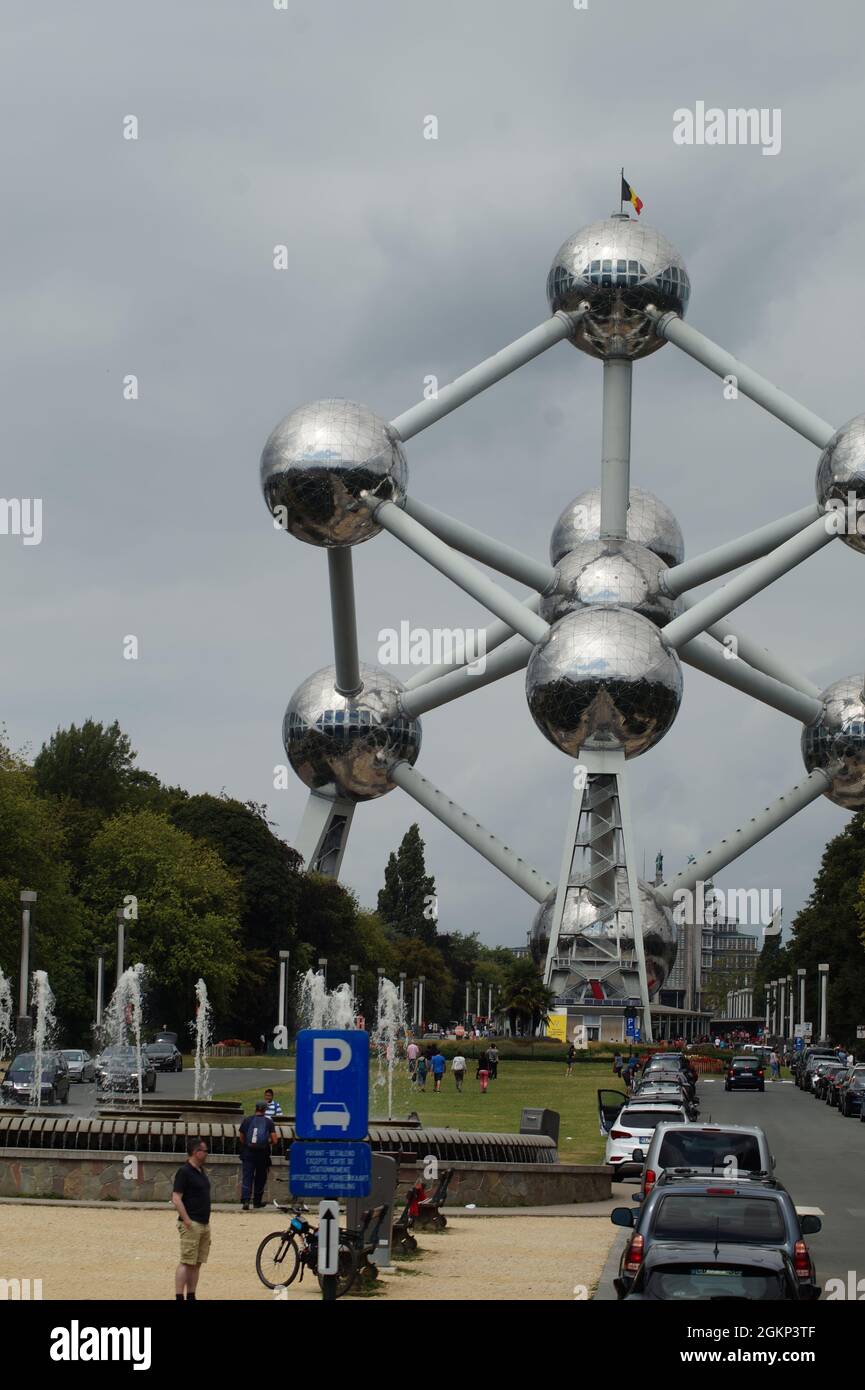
(709, 1272)
(745, 1073)
(54, 1088)
(629, 1126)
(851, 1092)
(81, 1065)
(810, 1058)
(117, 1070)
(648, 1092)
(704, 1150)
(164, 1056)
(696, 1211)
(829, 1080)
(821, 1074)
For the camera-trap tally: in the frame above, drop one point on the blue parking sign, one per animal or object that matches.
(332, 1084)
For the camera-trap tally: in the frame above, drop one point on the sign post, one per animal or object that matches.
(330, 1156)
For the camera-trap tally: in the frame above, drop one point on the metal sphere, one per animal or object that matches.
(838, 736)
(585, 919)
(349, 742)
(650, 523)
(602, 678)
(841, 479)
(318, 461)
(617, 267)
(609, 572)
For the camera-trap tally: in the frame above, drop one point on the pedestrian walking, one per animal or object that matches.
(257, 1136)
(191, 1200)
(420, 1073)
(572, 1057)
(412, 1052)
(483, 1071)
(618, 1063)
(774, 1065)
(458, 1067)
(437, 1067)
(493, 1056)
(271, 1107)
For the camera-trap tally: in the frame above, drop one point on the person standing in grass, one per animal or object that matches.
(493, 1055)
(618, 1063)
(420, 1073)
(458, 1067)
(572, 1057)
(437, 1067)
(483, 1071)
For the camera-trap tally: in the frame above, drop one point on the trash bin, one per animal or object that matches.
(539, 1121)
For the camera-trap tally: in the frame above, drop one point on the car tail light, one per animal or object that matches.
(620, 1134)
(759, 1071)
(801, 1260)
(720, 1191)
(634, 1257)
(651, 1179)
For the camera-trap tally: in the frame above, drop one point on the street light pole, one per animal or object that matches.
(421, 991)
(824, 1001)
(281, 1019)
(402, 975)
(322, 966)
(801, 972)
(354, 971)
(121, 930)
(100, 988)
(24, 1031)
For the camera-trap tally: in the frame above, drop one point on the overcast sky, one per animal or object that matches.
(407, 257)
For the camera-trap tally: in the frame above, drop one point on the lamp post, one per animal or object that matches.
(322, 967)
(478, 1000)
(801, 972)
(782, 1012)
(824, 1001)
(24, 1031)
(100, 988)
(421, 991)
(468, 987)
(767, 992)
(354, 971)
(402, 975)
(121, 935)
(281, 1019)
(791, 1007)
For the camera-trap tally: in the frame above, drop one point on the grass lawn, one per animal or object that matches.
(276, 1061)
(518, 1084)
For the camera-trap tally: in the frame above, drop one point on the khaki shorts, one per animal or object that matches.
(194, 1243)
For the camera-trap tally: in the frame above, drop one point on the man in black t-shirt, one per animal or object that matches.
(257, 1134)
(191, 1200)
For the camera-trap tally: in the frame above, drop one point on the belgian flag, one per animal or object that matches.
(629, 196)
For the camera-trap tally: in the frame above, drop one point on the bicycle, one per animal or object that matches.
(283, 1254)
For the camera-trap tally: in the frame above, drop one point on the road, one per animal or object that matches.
(82, 1099)
(819, 1157)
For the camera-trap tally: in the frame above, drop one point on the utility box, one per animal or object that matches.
(539, 1121)
(383, 1193)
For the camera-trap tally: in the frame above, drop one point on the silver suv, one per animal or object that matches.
(730, 1150)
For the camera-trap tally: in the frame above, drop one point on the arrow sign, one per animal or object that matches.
(328, 1237)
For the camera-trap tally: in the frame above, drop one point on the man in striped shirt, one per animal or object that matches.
(272, 1107)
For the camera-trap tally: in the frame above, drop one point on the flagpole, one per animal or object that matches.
(621, 186)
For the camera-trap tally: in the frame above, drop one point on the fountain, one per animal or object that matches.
(121, 1022)
(319, 1007)
(203, 1027)
(389, 1029)
(7, 1032)
(42, 1004)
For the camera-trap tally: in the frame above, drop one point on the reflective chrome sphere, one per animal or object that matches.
(609, 572)
(602, 678)
(838, 735)
(650, 523)
(349, 742)
(318, 461)
(840, 473)
(617, 266)
(581, 927)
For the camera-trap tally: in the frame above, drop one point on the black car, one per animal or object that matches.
(803, 1068)
(117, 1070)
(712, 1272)
(745, 1073)
(54, 1089)
(696, 1211)
(164, 1056)
(851, 1093)
(824, 1078)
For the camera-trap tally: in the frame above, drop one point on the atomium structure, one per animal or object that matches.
(602, 635)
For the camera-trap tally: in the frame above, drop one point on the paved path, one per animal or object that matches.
(173, 1085)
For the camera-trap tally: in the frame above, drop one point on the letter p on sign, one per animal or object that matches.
(328, 1054)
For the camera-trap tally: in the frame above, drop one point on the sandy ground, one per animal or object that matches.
(112, 1253)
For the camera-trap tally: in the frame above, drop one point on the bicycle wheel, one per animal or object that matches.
(347, 1271)
(277, 1260)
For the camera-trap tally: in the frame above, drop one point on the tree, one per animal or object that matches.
(187, 904)
(417, 958)
(407, 902)
(32, 849)
(93, 765)
(525, 997)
